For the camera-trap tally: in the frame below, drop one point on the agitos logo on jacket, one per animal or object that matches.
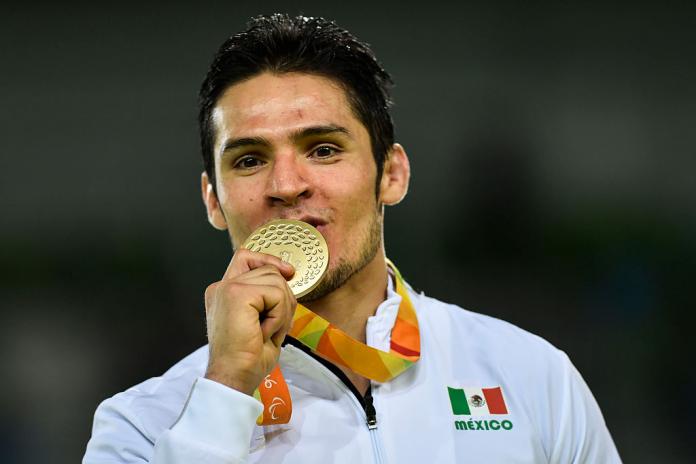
(475, 401)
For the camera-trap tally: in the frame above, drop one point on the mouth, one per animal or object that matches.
(316, 222)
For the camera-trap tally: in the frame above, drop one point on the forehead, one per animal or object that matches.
(271, 105)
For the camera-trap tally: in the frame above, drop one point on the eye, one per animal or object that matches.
(325, 151)
(248, 162)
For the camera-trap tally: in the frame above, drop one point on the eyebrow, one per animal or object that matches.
(319, 130)
(307, 132)
(244, 142)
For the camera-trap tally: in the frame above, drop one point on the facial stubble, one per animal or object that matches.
(345, 269)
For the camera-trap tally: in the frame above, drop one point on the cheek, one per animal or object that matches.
(351, 193)
(236, 201)
(242, 211)
(357, 182)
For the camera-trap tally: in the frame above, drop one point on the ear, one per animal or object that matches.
(395, 176)
(212, 205)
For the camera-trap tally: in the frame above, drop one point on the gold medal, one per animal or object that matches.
(297, 243)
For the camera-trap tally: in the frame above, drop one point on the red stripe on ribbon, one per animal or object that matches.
(403, 350)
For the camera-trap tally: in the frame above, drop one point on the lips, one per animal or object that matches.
(317, 222)
(313, 221)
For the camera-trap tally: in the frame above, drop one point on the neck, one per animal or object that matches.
(349, 306)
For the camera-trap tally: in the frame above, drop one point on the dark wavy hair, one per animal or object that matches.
(282, 44)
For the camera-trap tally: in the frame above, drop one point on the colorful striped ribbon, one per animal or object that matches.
(338, 347)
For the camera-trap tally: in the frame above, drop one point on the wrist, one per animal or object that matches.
(233, 381)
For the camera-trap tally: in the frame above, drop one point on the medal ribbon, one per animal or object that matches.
(338, 347)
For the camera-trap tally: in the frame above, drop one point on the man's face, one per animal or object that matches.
(289, 146)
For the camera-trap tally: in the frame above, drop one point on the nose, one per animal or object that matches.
(288, 181)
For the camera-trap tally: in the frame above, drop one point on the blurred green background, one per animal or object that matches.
(552, 147)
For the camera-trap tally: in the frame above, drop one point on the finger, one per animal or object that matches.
(210, 293)
(245, 261)
(291, 306)
(265, 275)
(272, 302)
(279, 336)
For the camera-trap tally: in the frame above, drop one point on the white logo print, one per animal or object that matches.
(277, 401)
(268, 381)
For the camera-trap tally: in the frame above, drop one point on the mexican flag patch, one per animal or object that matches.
(475, 401)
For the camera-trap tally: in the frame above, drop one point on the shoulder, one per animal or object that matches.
(137, 416)
(467, 342)
(538, 379)
(499, 339)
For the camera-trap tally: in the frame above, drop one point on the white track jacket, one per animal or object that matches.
(183, 418)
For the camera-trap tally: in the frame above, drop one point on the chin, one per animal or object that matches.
(342, 268)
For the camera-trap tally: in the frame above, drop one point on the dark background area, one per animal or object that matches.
(552, 148)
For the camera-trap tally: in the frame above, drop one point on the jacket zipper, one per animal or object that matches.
(371, 419)
(370, 413)
(366, 403)
(368, 407)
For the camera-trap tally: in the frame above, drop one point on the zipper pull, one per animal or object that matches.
(370, 410)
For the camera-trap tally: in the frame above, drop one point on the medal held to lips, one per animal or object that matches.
(297, 243)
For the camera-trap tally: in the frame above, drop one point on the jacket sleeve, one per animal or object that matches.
(582, 435)
(215, 426)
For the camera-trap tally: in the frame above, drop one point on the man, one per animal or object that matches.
(295, 125)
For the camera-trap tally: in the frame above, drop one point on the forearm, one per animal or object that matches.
(215, 426)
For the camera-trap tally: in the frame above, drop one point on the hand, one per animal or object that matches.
(248, 314)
